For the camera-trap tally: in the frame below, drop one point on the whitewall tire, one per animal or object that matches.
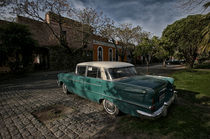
(110, 107)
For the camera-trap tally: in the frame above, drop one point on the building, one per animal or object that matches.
(103, 50)
(76, 34)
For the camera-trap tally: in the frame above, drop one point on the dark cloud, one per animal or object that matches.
(152, 15)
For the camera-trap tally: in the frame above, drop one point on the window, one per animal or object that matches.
(100, 53)
(94, 72)
(110, 54)
(122, 72)
(81, 70)
(116, 55)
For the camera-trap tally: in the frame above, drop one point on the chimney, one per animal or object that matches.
(47, 17)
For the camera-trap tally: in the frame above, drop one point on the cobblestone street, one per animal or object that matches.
(21, 97)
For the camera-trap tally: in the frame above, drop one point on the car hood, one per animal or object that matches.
(145, 81)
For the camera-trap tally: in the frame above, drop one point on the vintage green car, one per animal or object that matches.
(118, 87)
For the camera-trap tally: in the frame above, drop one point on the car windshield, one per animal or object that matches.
(121, 72)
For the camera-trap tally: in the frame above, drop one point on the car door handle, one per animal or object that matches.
(98, 81)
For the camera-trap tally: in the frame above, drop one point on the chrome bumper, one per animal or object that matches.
(162, 111)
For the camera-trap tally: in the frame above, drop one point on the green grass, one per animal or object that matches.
(197, 81)
(203, 66)
(187, 119)
(181, 122)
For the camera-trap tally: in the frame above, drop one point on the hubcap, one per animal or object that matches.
(64, 88)
(110, 107)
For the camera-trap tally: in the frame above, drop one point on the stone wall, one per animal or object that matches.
(75, 31)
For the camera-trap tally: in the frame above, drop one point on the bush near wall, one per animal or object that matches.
(61, 59)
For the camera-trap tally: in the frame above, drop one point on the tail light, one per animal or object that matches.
(152, 108)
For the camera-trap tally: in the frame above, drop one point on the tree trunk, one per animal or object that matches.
(164, 62)
(190, 65)
(113, 41)
(147, 61)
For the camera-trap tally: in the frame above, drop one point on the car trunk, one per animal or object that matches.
(145, 81)
(161, 88)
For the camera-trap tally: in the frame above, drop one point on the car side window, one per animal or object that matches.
(94, 72)
(81, 70)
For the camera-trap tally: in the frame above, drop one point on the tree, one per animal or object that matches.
(109, 32)
(95, 21)
(36, 8)
(5, 9)
(205, 43)
(16, 46)
(193, 4)
(162, 52)
(186, 35)
(126, 34)
(145, 49)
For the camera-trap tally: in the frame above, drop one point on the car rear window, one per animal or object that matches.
(122, 72)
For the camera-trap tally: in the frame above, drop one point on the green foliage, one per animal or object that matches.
(186, 36)
(205, 43)
(203, 65)
(161, 46)
(153, 47)
(161, 53)
(16, 46)
(206, 5)
(145, 48)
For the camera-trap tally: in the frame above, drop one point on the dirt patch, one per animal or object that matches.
(52, 113)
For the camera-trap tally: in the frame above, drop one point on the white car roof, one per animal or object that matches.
(106, 64)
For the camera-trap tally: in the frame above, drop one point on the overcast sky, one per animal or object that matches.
(152, 15)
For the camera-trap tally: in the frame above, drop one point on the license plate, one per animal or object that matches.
(162, 97)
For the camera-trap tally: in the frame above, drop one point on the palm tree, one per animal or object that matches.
(205, 43)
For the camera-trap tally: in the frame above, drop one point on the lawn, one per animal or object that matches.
(189, 118)
(197, 81)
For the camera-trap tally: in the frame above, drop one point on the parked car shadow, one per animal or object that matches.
(190, 96)
(187, 118)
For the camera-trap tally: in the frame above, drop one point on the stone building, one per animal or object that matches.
(76, 35)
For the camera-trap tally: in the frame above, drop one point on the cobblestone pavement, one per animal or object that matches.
(21, 97)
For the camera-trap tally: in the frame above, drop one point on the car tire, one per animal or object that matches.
(110, 107)
(65, 90)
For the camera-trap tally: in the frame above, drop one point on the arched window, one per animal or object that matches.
(100, 53)
(110, 54)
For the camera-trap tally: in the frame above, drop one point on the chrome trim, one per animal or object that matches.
(162, 111)
(92, 84)
(132, 103)
(85, 82)
(76, 80)
(162, 90)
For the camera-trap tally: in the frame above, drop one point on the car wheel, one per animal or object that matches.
(110, 108)
(65, 90)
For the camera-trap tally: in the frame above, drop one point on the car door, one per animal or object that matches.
(93, 83)
(78, 80)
